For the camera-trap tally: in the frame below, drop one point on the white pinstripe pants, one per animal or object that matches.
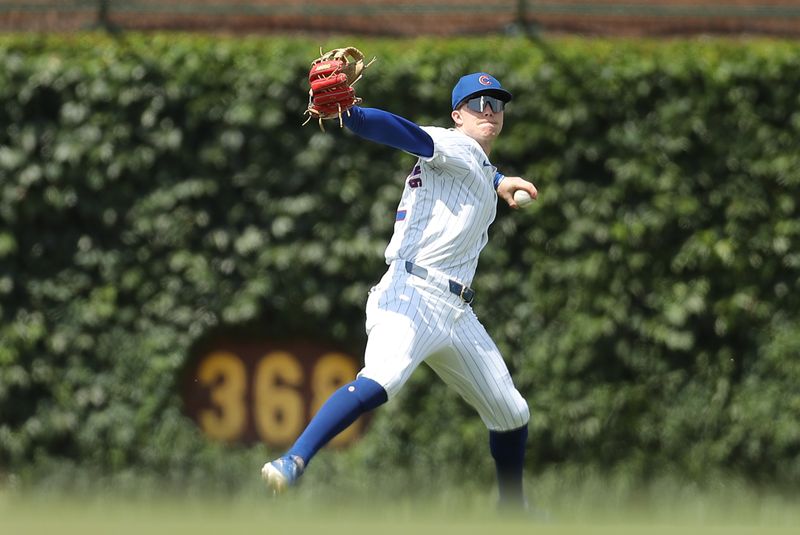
(411, 320)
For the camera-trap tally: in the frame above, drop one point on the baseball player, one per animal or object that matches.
(420, 310)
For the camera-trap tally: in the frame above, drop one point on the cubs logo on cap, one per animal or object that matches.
(478, 82)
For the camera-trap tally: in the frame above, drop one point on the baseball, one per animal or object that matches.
(522, 198)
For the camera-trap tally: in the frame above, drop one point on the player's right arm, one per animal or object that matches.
(510, 184)
(389, 129)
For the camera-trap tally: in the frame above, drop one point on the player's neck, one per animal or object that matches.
(486, 145)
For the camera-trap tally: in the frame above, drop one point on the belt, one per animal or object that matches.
(466, 293)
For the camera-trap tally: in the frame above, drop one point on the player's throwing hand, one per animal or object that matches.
(508, 187)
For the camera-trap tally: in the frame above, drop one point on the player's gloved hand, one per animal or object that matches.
(331, 78)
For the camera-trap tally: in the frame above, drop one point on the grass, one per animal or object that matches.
(582, 506)
(214, 518)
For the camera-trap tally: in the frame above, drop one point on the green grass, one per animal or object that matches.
(591, 506)
(177, 518)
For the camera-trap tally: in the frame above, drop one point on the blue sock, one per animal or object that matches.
(339, 411)
(508, 450)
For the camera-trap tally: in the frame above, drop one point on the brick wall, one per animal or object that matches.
(411, 17)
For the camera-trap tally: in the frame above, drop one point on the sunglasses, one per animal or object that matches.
(478, 104)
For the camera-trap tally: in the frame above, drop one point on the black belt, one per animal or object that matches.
(466, 293)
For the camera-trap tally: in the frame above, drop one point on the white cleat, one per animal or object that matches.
(281, 473)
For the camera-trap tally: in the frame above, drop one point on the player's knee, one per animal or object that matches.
(521, 414)
(515, 412)
(370, 393)
(518, 412)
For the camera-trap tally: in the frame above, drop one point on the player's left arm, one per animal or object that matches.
(389, 129)
(507, 185)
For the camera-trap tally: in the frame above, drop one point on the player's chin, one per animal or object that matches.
(490, 130)
(490, 136)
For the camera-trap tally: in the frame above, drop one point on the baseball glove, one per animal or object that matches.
(332, 77)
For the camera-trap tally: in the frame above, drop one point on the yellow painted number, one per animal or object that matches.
(279, 406)
(224, 374)
(280, 409)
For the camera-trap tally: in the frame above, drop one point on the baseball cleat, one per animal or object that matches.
(282, 472)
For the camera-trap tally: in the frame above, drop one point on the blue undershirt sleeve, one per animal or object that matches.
(498, 177)
(389, 129)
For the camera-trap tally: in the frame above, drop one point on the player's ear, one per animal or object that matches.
(456, 116)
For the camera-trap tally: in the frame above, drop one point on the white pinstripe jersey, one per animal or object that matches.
(448, 203)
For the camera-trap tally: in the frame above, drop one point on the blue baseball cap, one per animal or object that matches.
(478, 82)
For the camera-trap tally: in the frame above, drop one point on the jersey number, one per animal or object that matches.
(414, 180)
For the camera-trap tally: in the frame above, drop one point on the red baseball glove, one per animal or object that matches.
(332, 77)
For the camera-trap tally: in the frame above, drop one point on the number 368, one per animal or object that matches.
(282, 393)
